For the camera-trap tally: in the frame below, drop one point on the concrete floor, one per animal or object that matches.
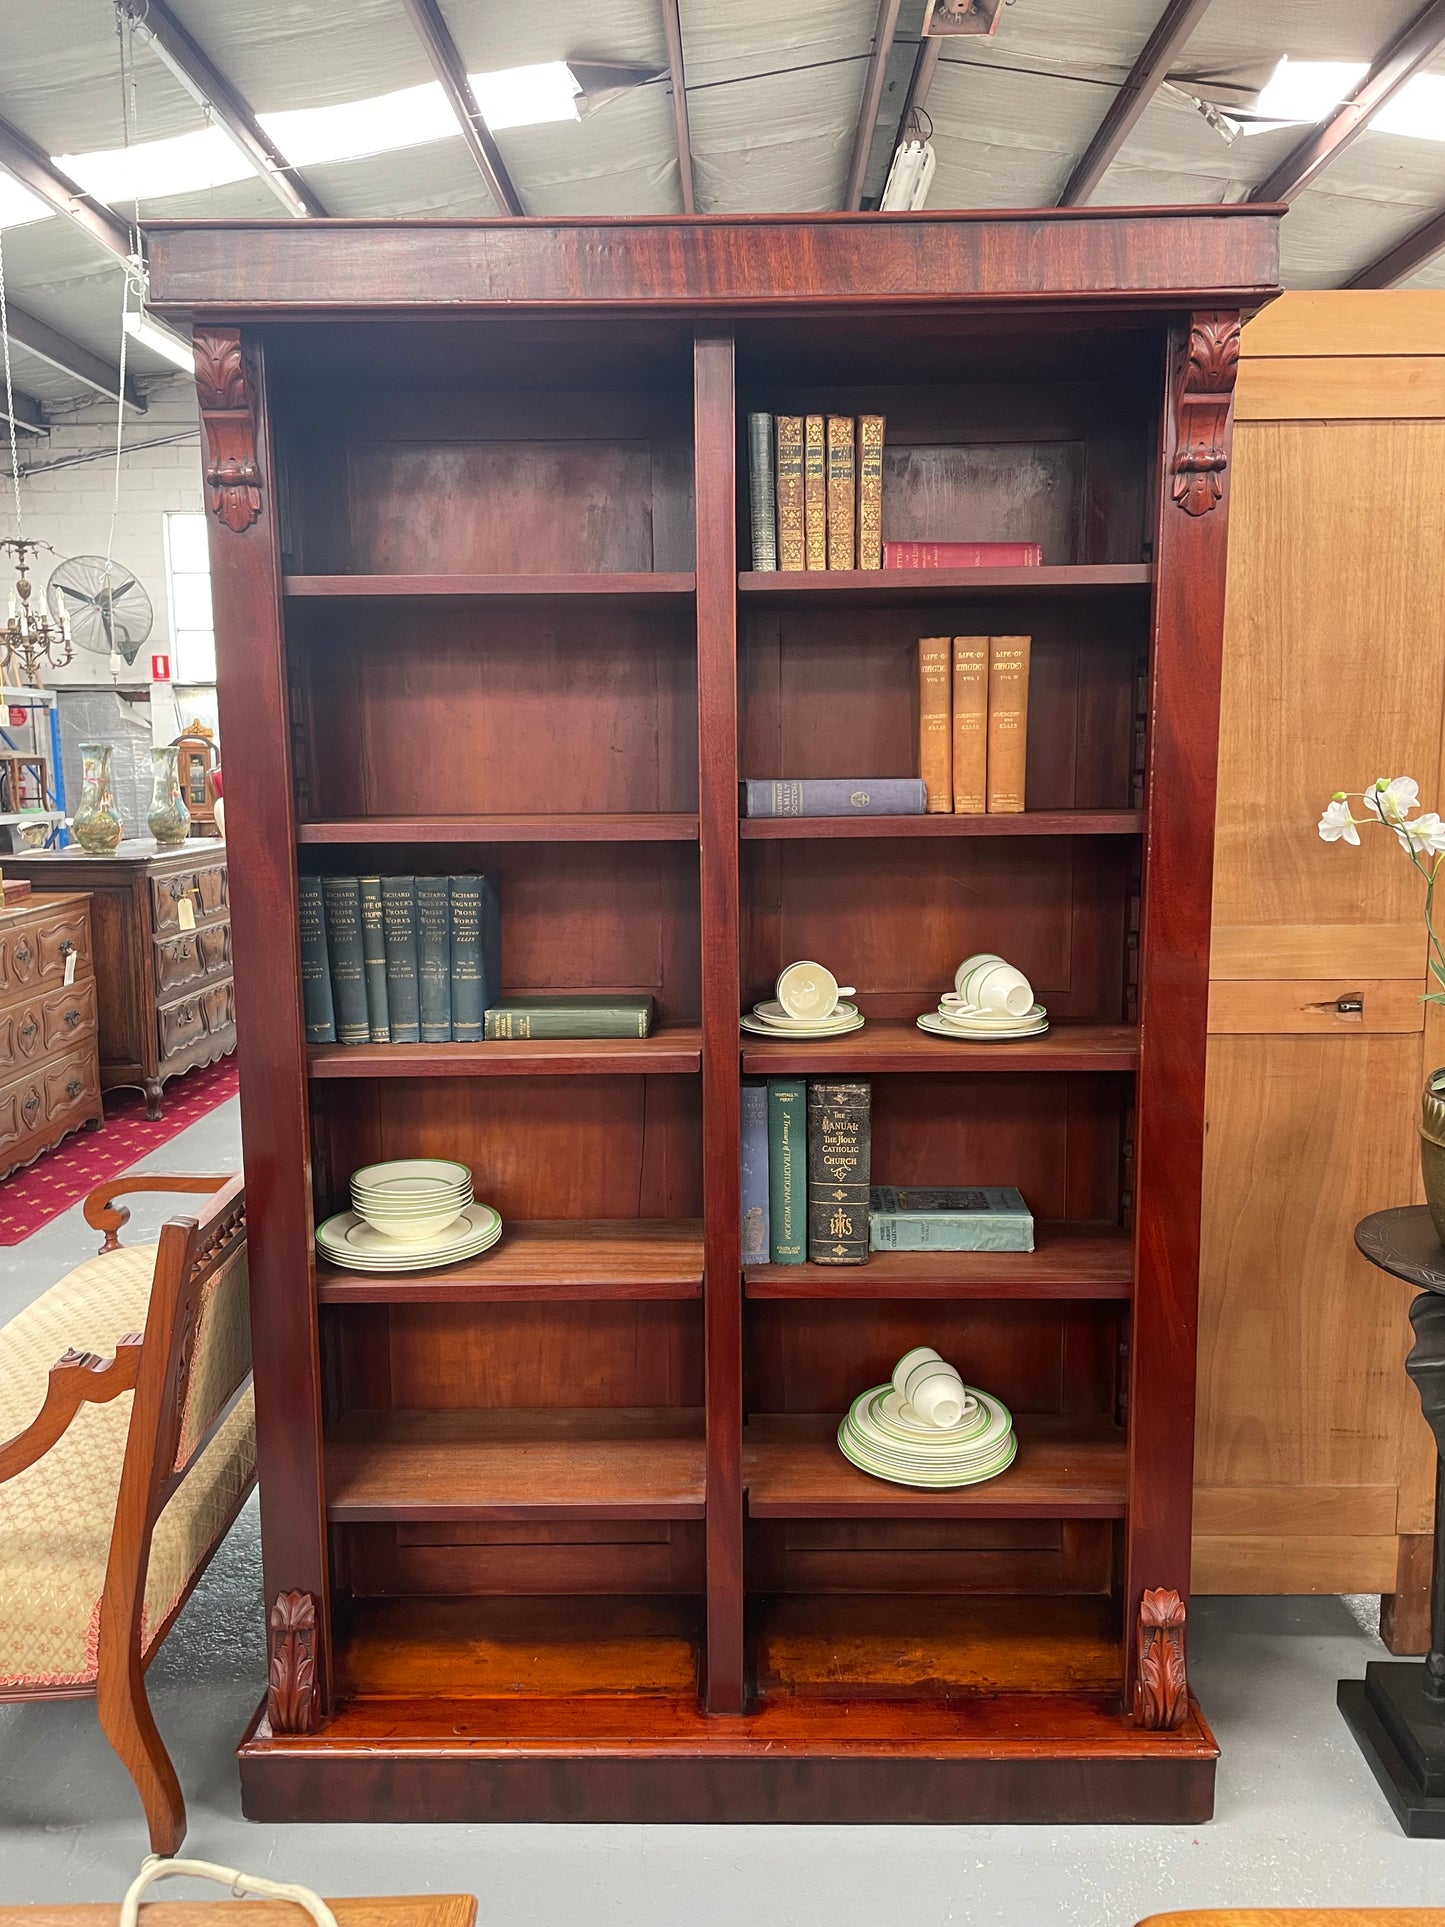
(1300, 1822)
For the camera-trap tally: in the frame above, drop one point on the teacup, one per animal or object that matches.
(992, 985)
(935, 1391)
(807, 990)
(921, 1354)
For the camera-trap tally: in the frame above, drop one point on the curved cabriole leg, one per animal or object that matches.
(128, 1723)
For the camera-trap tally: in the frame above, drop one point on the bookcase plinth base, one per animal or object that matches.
(1071, 1763)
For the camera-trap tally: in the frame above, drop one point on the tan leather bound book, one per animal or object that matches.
(870, 491)
(970, 725)
(791, 551)
(815, 491)
(1008, 721)
(935, 722)
(841, 491)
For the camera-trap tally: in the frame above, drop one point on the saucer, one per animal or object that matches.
(758, 1027)
(937, 1026)
(772, 1012)
(349, 1240)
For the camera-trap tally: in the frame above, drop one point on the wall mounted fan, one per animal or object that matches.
(109, 611)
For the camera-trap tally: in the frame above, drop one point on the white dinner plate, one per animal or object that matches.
(350, 1240)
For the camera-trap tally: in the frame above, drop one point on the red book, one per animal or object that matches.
(962, 555)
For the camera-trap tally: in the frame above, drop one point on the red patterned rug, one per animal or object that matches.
(32, 1197)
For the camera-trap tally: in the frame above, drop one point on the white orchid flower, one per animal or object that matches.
(1392, 801)
(1425, 834)
(1337, 822)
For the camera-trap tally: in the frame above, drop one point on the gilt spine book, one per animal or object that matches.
(434, 959)
(762, 492)
(373, 959)
(970, 725)
(815, 492)
(315, 963)
(935, 721)
(792, 546)
(398, 929)
(788, 1170)
(1008, 722)
(842, 489)
(870, 491)
(839, 1142)
(342, 897)
(754, 1175)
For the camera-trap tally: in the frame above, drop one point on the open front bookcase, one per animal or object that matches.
(563, 1532)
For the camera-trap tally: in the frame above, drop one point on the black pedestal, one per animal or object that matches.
(1402, 1735)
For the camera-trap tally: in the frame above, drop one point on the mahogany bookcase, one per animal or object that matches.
(562, 1533)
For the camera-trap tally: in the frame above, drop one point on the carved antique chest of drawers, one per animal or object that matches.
(162, 932)
(49, 1074)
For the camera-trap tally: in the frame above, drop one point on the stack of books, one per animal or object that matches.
(399, 959)
(816, 491)
(973, 714)
(805, 1151)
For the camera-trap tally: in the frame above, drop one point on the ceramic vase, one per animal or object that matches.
(97, 823)
(168, 819)
(1432, 1148)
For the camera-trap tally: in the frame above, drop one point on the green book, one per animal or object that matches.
(603, 1013)
(839, 1134)
(434, 958)
(981, 1217)
(315, 964)
(373, 960)
(788, 1170)
(342, 898)
(476, 937)
(398, 926)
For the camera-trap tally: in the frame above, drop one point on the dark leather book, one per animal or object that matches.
(476, 954)
(398, 928)
(434, 958)
(373, 959)
(839, 1142)
(342, 898)
(315, 963)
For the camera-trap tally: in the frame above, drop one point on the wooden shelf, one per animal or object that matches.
(513, 1464)
(674, 1050)
(767, 829)
(897, 1044)
(797, 588)
(658, 827)
(544, 1259)
(1065, 1469)
(1068, 1261)
(650, 591)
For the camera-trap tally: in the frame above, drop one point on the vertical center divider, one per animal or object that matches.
(714, 459)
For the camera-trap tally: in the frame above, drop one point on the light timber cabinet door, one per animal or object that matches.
(1314, 1469)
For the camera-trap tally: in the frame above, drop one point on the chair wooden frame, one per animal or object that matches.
(156, 1367)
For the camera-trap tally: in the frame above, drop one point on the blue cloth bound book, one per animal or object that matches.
(756, 1240)
(835, 796)
(982, 1217)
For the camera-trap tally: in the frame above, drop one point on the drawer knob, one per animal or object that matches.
(74, 1087)
(72, 1018)
(66, 946)
(23, 954)
(29, 1029)
(31, 1106)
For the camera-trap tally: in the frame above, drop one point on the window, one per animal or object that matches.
(188, 581)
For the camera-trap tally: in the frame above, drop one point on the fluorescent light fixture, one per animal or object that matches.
(909, 177)
(18, 206)
(1417, 110)
(1306, 90)
(161, 340)
(527, 96)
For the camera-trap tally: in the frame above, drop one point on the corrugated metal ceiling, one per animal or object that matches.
(773, 97)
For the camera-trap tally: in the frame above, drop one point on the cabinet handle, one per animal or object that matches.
(31, 1106)
(28, 1029)
(66, 946)
(74, 1087)
(23, 953)
(1352, 1004)
(72, 1018)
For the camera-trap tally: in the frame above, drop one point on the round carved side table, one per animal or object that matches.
(1397, 1712)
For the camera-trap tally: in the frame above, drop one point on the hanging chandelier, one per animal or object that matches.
(31, 639)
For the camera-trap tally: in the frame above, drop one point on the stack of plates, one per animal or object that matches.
(412, 1214)
(771, 1020)
(957, 1020)
(882, 1435)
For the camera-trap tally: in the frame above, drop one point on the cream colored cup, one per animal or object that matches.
(996, 986)
(935, 1391)
(921, 1354)
(808, 990)
(970, 964)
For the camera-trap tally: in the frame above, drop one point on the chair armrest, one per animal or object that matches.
(76, 1379)
(104, 1216)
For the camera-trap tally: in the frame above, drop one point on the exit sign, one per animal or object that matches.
(160, 668)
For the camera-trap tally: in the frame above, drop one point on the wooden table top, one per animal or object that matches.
(399, 1910)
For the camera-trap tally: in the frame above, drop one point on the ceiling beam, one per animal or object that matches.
(677, 78)
(450, 69)
(28, 415)
(930, 52)
(1411, 48)
(883, 37)
(33, 168)
(1171, 30)
(47, 344)
(218, 99)
(1407, 257)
